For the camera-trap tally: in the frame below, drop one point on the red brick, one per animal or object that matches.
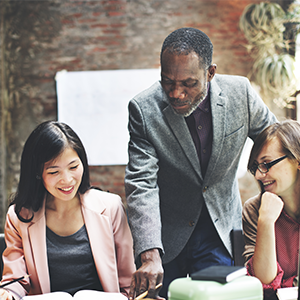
(98, 25)
(97, 14)
(115, 13)
(113, 42)
(97, 49)
(87, 21)
(111, 31)
(78, 15)
(66, 21)
(118, 25)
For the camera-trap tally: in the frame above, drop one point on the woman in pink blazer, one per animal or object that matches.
(66, 235)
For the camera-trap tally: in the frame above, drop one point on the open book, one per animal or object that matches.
(289, 293)
(80, 295)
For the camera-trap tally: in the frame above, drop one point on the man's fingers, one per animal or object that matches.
(143, 287)
(139, 285)
(152, 293)
(147, 276)
(154, 289)
(132, 288)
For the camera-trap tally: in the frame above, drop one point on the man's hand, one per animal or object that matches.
(148, 275)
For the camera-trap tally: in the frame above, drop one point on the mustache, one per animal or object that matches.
(177, 101)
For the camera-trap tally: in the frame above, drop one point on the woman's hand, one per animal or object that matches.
(265, 258)
(5, 295)
(270, 208)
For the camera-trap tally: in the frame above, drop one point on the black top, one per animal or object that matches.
(71, 264)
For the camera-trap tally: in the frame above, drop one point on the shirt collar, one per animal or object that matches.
(205, 104)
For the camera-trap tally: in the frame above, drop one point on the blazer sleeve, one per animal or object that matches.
(141, 187)
(13, 257)
(260, 116)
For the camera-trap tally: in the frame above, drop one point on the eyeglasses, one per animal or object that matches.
(265, 167)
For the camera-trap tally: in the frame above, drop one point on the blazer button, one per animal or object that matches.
(205, 189)
(191, 223)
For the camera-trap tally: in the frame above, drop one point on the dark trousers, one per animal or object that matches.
(203, 249)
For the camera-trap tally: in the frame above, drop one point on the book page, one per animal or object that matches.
(80, 295)
(49, 296)
(96, 295)
(290, 293)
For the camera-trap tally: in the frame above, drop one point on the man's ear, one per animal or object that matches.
(211, 72)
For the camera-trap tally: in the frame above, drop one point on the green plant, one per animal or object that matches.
(275, 74)
(264, 26)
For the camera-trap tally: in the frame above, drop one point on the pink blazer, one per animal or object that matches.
(109, 236)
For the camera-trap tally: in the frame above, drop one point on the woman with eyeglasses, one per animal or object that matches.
(271, 220)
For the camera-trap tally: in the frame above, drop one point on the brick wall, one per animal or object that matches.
(44, 37)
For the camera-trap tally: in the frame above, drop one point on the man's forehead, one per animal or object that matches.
(172, 62)
(178, 79)
(171, 52)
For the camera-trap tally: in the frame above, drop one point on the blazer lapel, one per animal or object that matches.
(218, 110)
(100, 236)
(37, 236)
(181, 131)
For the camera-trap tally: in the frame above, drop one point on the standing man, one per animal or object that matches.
(187, 133)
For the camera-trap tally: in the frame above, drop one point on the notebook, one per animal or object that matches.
(221, 274)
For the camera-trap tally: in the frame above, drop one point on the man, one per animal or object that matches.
(187, 133)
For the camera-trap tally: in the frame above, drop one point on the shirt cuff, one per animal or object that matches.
(272, 286)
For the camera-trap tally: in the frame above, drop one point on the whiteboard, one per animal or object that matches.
(94, 104)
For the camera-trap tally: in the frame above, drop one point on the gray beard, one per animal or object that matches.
(194, 105)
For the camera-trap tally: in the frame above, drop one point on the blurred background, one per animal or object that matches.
(39, 39)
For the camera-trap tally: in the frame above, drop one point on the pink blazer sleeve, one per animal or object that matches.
(25, 253)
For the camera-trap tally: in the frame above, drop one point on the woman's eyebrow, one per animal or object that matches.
(52, 167)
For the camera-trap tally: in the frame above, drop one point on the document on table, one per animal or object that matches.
(289, 293)
(80, 295)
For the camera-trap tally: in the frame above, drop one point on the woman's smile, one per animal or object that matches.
(67, 190)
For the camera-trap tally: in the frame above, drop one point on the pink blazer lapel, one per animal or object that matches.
(37, 238)
(102, 244)
(100, 234)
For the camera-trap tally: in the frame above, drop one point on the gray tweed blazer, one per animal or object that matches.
(163, 182)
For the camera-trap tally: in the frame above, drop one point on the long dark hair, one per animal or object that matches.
(47, 141)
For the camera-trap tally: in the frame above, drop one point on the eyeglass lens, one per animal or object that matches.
(264, 167)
